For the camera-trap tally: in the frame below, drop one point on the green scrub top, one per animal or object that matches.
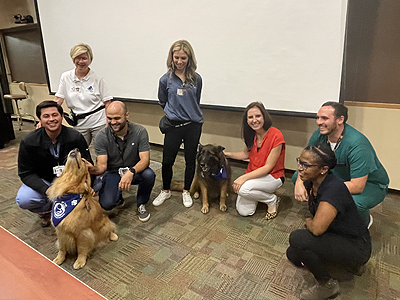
(355, 157)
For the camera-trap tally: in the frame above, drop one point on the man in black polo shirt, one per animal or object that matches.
(123, 155)
(41, 158)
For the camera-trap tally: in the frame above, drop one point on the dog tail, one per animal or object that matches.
(177, 185)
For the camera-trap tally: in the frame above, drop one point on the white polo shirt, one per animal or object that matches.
(84, 95)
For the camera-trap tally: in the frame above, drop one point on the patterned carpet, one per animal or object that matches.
(181, 253)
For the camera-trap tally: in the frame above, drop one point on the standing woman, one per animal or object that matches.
(84, 93)
(335, 234)
(265, 148)
(179, 94)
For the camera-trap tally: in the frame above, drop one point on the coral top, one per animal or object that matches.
(258, 157)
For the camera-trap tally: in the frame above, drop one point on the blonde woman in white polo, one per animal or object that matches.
(84, 93)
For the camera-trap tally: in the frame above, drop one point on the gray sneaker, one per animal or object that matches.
(144, 215)
(321, 291)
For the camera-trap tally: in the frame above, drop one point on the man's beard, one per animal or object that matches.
(120, 128)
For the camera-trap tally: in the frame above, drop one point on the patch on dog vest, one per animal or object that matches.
(63, 206)
(221, 175)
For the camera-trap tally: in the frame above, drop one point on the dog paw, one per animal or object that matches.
(79, 263)
(205, 209)
(113, 236)
(59, 259)
(222, 207)
(196, 195)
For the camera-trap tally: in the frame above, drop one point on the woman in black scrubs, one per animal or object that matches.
(335, 234)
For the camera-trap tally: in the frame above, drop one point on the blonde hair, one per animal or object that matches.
(80, 49)
(190, 71)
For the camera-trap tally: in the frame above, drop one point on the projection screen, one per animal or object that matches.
(286, 53)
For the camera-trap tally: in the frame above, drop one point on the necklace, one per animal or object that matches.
(260, 138)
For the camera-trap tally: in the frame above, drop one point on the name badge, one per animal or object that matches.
(57, 170)
(122, 171)
(181, 92)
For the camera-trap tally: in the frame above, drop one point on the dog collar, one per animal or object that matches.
(62, 206)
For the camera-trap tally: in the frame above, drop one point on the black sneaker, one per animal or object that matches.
(321, 291)
(144, 215)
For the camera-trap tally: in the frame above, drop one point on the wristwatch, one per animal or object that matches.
(133, 171)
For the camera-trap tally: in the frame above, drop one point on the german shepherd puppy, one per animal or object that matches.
(80, 222)
(213, 176)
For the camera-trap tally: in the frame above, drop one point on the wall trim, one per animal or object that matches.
(371, 104)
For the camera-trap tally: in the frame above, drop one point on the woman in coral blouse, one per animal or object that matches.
(265, 149)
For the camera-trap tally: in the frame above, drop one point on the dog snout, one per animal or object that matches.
(74, 154)
(204, 167)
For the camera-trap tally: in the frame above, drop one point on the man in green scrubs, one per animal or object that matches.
(357, 163)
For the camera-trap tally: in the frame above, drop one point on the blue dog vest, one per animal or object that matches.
(63, 206)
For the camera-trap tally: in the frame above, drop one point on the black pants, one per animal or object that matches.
(190, 136)
(316, 252)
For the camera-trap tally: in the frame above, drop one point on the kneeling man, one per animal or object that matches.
(41, 158)
(357, 162)
(123, 155)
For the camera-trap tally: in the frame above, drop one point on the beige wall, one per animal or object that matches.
(223, 127)
(382, 128)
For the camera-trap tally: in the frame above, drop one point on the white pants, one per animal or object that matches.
(254, 191)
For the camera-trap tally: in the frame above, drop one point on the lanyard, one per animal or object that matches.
(55, 150)
(338, 140)
(125, 141)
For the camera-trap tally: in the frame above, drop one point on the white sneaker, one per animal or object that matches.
(371, 220)
(187, 200)
(161, 198)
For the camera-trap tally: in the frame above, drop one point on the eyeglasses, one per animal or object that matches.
(303, 164)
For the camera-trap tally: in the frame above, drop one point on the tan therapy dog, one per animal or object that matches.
(80, 221)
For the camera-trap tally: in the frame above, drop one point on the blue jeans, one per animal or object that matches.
(28, 198)
(109, 194)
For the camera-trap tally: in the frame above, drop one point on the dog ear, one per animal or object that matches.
(221, 155)
(199, 147)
